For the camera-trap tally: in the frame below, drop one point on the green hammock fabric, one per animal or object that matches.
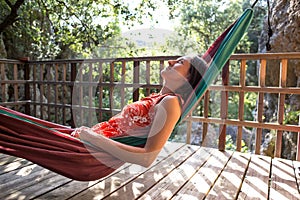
(222, 55)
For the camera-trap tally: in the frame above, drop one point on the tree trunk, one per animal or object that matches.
(12, 16)
(284, 20)
(3, 53)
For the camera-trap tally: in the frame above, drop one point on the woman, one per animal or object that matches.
(155, 116)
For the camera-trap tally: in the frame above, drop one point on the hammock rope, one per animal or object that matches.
(254, 4)
(270, 31)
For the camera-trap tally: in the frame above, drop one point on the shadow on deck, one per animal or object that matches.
(181, 171)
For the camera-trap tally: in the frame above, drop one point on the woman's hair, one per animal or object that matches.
(198, 67)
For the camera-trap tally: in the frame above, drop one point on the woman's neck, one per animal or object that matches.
(165, 90)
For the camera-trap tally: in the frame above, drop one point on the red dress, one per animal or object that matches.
(133, 116)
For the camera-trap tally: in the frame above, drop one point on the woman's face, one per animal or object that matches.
(177, 71)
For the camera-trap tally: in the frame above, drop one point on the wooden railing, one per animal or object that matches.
(86, 87)
(282, 89)
(84, 92)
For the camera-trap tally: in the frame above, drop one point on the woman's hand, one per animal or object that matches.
(76, 133)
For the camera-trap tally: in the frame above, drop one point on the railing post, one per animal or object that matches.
(27, 87)
(241, 105)
(123, 78)
(2, 85)
(298, 142)
(205, 115)
(189, 123)
(281, 98)
(136, 74)
(224, 108)
(100, 90)
(260, 106)
(73, 78)
(148, 66)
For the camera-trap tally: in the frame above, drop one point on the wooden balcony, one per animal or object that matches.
(181, 171)
(79, 92)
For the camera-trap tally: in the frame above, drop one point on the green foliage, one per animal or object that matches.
(231, 146)
(291, 116)
(4, 10)
(233, 97)
(255, 28)
(250, 104)
(70, 29)
(202, 21)
(47, 29)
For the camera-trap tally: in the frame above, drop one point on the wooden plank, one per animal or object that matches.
(181, 172)
(170, 185)
(38, 187)
(283, 181)
(11, 164)
(15, 182)
(144, 182)
(3, 156)
(5, 159)
(71, 188)
(269, 56)
(254, 124)
(200, 184)
(230, 180)
(296, 165)
(256, 182)
(269, 89)
(114, 182)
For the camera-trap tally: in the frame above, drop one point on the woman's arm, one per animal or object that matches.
(167, 114)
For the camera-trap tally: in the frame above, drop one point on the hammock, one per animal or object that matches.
(51, 146)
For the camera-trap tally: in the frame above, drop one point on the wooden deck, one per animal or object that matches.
(180, 172)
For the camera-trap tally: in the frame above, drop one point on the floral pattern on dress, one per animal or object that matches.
(135, 115)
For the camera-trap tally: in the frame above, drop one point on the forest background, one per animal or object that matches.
(54, 29)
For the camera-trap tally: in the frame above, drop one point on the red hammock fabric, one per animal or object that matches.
(49, 144)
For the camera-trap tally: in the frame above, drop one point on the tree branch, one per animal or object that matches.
(8, 3)
(11, 18)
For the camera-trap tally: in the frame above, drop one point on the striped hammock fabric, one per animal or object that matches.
(51, 146)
